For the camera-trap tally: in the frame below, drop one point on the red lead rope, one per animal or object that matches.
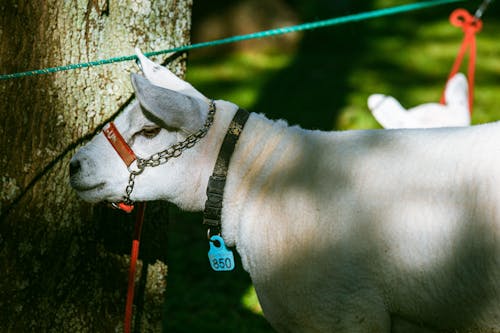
(470, 26)
(127, 155)
(133, 263)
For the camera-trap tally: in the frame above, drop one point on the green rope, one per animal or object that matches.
(234, 39)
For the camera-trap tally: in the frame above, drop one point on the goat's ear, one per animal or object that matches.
(168, 108)
(161, 76)
(457, 91)
(387, 110)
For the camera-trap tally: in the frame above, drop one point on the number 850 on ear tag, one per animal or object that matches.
(221, 259)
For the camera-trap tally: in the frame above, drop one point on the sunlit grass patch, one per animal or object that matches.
(251, 302)
(239, 76)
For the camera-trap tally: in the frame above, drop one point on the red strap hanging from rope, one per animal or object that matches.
(470, 25)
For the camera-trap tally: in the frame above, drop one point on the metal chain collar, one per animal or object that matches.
(138, 166)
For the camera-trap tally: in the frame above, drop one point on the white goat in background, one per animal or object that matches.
(391, 114)
(355, 231)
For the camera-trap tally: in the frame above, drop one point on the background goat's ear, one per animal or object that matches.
(457, 91)
(167, 108)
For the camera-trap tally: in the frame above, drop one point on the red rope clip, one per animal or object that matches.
(470, 25)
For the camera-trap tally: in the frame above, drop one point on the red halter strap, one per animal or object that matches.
(470, 25)
(124, 151)
(118, 142)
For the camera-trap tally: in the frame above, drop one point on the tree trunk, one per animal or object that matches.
(63, 263)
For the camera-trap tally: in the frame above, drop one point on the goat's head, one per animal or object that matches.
(166, 112)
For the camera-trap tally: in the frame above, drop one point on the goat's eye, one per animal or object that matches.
(150, 132)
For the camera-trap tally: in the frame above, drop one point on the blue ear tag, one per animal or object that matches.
(221, 259)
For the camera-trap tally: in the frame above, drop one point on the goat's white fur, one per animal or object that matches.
(391, 114)
(355, 231)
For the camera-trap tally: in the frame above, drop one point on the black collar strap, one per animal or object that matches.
(216, 183)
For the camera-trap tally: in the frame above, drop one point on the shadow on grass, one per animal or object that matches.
(199, 299)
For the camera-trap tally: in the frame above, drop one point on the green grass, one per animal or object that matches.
(239, 75)
(324, 84)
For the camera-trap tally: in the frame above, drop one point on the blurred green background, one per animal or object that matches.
(319, 80)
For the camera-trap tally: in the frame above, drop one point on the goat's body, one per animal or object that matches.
(362, 231)
(343, 231)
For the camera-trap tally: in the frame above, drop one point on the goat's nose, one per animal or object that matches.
(74, 167)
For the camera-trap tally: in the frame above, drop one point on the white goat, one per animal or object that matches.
(355, 231)
(391, 114)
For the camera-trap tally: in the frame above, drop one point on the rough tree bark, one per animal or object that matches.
(63, 263)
